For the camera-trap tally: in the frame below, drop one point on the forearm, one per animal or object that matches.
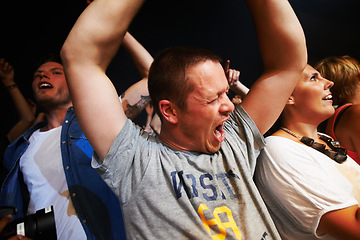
(342, 224)
(280, 35)
(139, 55)
(22, 106)
(283, 49)
(135, 99)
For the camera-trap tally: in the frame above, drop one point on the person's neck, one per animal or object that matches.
(355, 99)
(302, 129)
(54, 118)
(173, 139)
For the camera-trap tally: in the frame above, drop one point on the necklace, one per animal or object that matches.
(337, 153)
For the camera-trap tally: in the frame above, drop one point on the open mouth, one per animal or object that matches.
(327, 97)
(45, 85)
(219, 133)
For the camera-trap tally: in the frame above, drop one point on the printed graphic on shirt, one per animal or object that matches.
(220, 218)
(219, 222)
(203, 182)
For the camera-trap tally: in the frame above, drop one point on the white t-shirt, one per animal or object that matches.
(300, 184)
(44, 176)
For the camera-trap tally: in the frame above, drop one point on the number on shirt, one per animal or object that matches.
(217, 221)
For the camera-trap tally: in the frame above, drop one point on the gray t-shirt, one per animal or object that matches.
(170, 194)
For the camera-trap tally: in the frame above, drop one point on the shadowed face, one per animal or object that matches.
(50, 87)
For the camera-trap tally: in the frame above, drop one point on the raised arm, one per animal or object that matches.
(23, 107)
(139, 55)
(87, 52)
(236, 86)
(283, 49)
(136, 98)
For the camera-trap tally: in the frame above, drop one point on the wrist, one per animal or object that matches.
(11, 86)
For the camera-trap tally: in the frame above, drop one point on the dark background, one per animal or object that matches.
(35, 28)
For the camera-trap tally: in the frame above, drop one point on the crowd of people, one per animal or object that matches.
(201, 167)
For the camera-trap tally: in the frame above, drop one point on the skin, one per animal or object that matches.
(308, 100)
(53, 74)
(208, 107)
(55, 100)
(283, 50)
(347, 130)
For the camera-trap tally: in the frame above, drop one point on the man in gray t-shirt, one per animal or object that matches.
(166, 193)
(194, 180)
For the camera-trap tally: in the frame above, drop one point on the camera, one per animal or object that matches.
(37, 226)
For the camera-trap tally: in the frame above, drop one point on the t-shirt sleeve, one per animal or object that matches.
(243, 135)
(122, 168)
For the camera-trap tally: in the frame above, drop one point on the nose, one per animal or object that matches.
(328, 84)
(227, 106)
(44, 75)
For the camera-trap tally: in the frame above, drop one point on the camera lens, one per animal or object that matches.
(41, 225)
(38, 226)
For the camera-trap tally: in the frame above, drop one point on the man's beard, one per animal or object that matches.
(48, 104)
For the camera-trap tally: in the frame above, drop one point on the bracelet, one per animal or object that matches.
(11, 86)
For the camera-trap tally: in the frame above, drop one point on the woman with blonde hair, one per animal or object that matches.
(308, 183)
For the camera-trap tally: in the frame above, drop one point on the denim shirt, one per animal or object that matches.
(96, 205)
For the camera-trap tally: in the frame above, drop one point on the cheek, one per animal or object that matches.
(309, 96)
(33, 85)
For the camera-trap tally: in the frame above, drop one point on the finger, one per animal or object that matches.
(237, 75)
(227, 65)
(228, 76)
(231, 75)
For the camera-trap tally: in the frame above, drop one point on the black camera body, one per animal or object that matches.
(37, 226)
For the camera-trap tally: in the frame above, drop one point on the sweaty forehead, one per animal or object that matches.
(208, 78)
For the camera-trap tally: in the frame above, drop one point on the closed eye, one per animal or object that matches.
(58, 73)
(213, 100)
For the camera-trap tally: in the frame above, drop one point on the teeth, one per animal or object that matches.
(328, 97)
(45, 85)
(217, 133)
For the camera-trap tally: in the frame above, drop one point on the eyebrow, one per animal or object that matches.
(52, 69)
(316, 74)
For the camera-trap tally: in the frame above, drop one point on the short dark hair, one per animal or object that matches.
(51, 57)
(167, 74)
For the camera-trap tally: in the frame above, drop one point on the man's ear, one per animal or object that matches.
(168, 111)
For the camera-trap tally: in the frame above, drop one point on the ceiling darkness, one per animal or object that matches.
(35, 28)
